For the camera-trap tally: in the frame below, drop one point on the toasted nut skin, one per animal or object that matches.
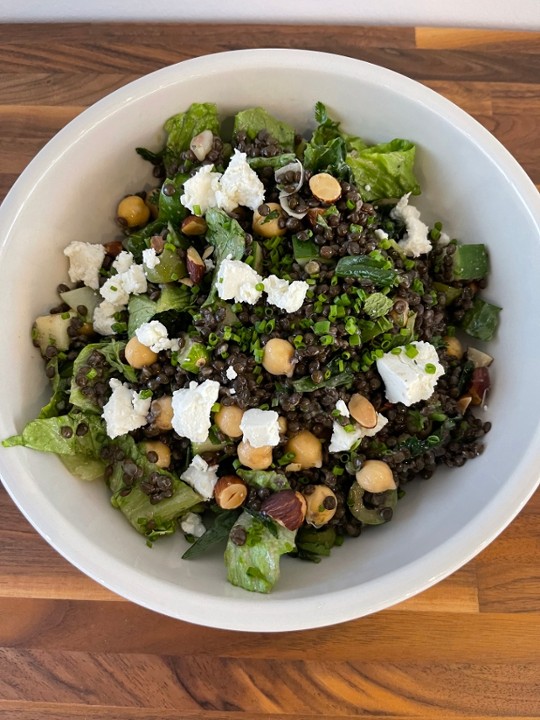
(376, 476)
(463, 403)
(228, 419)
(313, 215)
(321, 506)
(254, 458)
(195, 265)
(453, 346)
(285, 508)
(268, 227)
(230, 492)
(302, 502)
(193, 225)
(479, 358)
(307, 449)
(113, 248)
(162, 451)
(325, 187)
(278, 357)
(362, 411)
(138, 355)
(163, 411)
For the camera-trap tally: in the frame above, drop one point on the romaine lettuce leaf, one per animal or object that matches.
(113, 364)
(59, 435)
(254, 565)
(228, 239)
(264, 479)
(152, 519)
(385, 170)
(253, 120)
(141, 309)
(181, 128)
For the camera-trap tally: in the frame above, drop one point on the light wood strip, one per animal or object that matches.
(453, 38)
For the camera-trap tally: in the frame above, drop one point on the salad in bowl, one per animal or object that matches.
(271, 348)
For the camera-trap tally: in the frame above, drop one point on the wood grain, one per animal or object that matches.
(468, 647)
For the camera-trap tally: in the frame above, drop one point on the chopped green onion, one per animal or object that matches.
(411, 351)
(327, 340)
(322, 327)
(145, 394)
(197, 210)
(354, 340)
(430, 368)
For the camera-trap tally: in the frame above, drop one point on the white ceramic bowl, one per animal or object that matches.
(469, 181)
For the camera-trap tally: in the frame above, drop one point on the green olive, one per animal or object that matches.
(371, 516)
(170, 267)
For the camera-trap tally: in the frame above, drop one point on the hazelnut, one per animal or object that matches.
(195, 265)
(286, 508)
(321, 505)
(325, 187)
(230, 492)
(376, 476)
(362, 411)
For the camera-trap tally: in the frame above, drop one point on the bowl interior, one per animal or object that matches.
(469, 182)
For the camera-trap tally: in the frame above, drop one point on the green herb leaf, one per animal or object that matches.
(218, 532)
(228, 239)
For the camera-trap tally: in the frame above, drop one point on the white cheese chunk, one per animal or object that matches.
(285, 295)
(134, 280)
(200, 190)
(125, 410)
(155, 336)
(342, 440)
(416, 241)
(406, 379)
(201, 477)
(192, 524)
(239, 185)
(260, 427)
(103, 318)
(191, 410)
(150, 258)
(123, 261)
(231, 373)
(85, 260)
(236, 280)
(114, 292)
(342, 408)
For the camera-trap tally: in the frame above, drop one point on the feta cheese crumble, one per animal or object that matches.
(236, 280)
(201, 477)
(150, 258)
(192, 524)
(85, 260)
(342, 440)
(238, 185)
(416, 241)
(115, 291)
(125, 410)
(191, 410)
(260, 427)
(231, 373)
(410, 379)
(155, 336)
(200, 190)
(285, 295)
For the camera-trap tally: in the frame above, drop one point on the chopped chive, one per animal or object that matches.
(322, 327)
(354, 340)
(91, 374)
(327, 340)
(197, 210)
(430, 368)
(259, 287)
(145, 394)
(351, 204)
(411, 351)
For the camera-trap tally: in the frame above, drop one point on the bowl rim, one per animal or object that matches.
(233, 613)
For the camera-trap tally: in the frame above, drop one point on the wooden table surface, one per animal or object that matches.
(469, 647)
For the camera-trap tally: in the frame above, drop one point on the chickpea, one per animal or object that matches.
(228, 419)
(321, 506)
(138, 355)
(278, 357)
(132, 211)
(255, 458)
(307, 449)
(161, 450)
(268, 225)
(163, 412)
(282, 424)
